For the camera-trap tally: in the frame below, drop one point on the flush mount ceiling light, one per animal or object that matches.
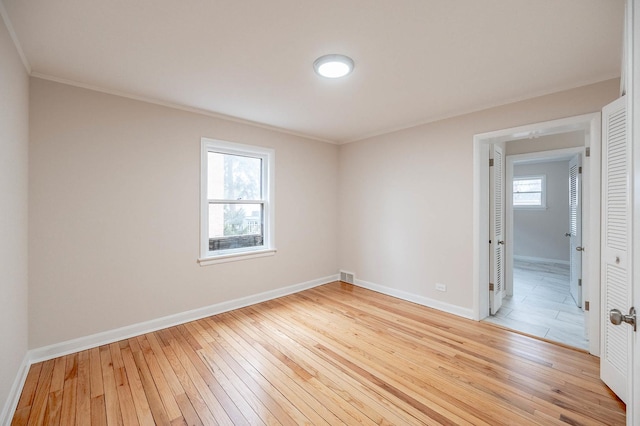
(333, 66)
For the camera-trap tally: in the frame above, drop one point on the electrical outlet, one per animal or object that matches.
(441, 287)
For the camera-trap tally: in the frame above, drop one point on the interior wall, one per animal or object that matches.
(546, 143)
(406, 198)
(115, 210)
(14, 136)
(539, 233)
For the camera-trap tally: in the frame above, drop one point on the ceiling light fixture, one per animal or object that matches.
(333, 66)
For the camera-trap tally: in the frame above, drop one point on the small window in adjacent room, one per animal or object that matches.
(529, 192)
(237, 206)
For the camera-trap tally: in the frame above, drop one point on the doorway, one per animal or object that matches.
(543, 295)
(589, 125)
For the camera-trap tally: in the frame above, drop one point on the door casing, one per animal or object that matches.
(591, 125)
(541, 156)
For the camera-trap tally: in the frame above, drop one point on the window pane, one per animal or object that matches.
(527, 199)
(527, 185)
(235, 226)
(234, 177)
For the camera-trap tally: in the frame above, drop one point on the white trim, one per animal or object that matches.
(14, 37)
(94, 340)
(415, 298)
(540, 259)
(268, 158)
(110, 336)
(11, 403)
(591, 124)
(173, 105)
(591, 201)
(233, 257)
(480, 229)
(564, 154)
(483, 107)
(545, 128)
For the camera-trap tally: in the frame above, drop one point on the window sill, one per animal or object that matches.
(234, 257)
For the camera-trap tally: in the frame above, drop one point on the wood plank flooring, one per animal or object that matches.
(336, 354)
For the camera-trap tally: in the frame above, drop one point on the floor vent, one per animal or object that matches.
(346, 277)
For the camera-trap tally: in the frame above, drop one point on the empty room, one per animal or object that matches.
(293, 212)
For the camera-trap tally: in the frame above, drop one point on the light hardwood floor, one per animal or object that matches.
(336, 354)
(542, 305)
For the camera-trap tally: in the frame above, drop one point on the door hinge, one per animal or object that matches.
(587, 152)
(490, 286)
(490, 162)
(579, 282)
(580, 170)
(586, 306)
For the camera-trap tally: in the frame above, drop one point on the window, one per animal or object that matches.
(237, 209)
(529, 192)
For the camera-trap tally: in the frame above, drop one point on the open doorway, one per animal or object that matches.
(543, 200)
(513, 142)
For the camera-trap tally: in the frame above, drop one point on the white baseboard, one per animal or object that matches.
(421, 300)
(540, 259)
(106, 337)
(87, 342)
(14, 393)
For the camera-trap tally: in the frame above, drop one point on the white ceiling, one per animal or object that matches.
(416, 60)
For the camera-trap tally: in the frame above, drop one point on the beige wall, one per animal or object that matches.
(406, 198)
(540, 233)
(114, 207)
(14, 135)
(114, 213)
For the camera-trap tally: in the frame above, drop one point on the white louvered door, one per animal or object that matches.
(496, 289)
(575, 229)
(616, 246)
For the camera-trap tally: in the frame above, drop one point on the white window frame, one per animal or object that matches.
(543, 192)
(268, 168)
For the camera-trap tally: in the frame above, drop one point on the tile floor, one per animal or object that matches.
(541, 304)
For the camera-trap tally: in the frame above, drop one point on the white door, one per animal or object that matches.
(496, 285)
(575, 229)
(632, 72)
(632, 38)
(616, 247)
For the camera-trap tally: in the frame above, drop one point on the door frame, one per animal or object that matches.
(591, 125)
(563, 154)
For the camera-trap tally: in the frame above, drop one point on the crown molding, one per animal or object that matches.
(177, 106)
(485, 106)
(14, 37)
